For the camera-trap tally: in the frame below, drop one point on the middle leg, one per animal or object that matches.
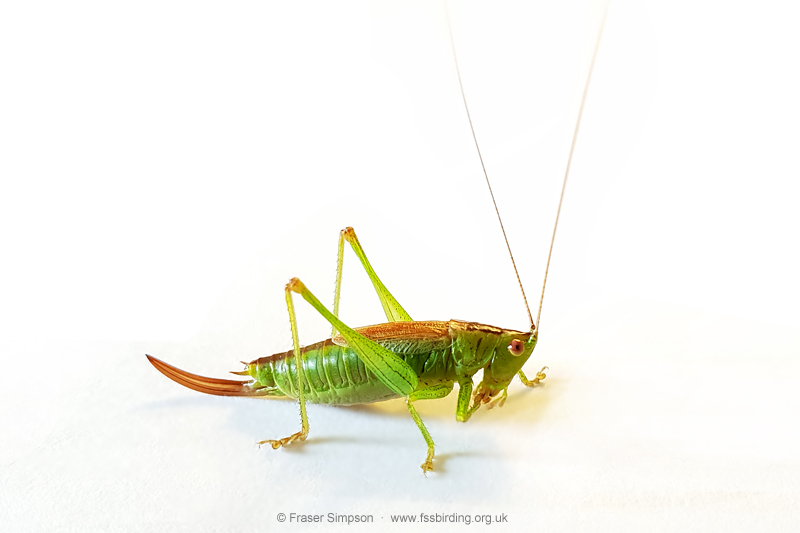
(427, 393)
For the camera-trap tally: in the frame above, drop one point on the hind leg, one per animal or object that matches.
(303, 433)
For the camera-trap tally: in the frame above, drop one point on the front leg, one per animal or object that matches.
(540, 375)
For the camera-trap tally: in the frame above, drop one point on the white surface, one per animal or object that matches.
(168, 167)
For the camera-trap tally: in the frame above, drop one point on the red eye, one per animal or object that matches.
(516, 347)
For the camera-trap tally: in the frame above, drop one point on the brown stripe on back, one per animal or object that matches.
(484, 328)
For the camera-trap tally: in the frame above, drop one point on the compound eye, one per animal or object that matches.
(516, 347)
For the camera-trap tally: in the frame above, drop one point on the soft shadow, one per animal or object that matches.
(301, 447)
(522, 402)
(171, 403)
(440, 459)
(530, 403)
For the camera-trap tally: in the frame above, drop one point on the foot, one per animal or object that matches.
(499, 401)
(299, 436)
(540, 375)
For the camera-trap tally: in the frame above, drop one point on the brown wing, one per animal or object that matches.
(425, 331)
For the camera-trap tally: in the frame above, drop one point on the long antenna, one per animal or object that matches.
(475, 138)
(569, 159)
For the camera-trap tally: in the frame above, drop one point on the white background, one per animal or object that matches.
(166, 167)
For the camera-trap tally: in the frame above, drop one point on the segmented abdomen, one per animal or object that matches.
(336, 375)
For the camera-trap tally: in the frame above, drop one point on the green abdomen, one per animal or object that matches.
(336, 375)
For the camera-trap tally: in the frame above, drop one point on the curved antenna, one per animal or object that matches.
(569, 159)
(485, 174)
